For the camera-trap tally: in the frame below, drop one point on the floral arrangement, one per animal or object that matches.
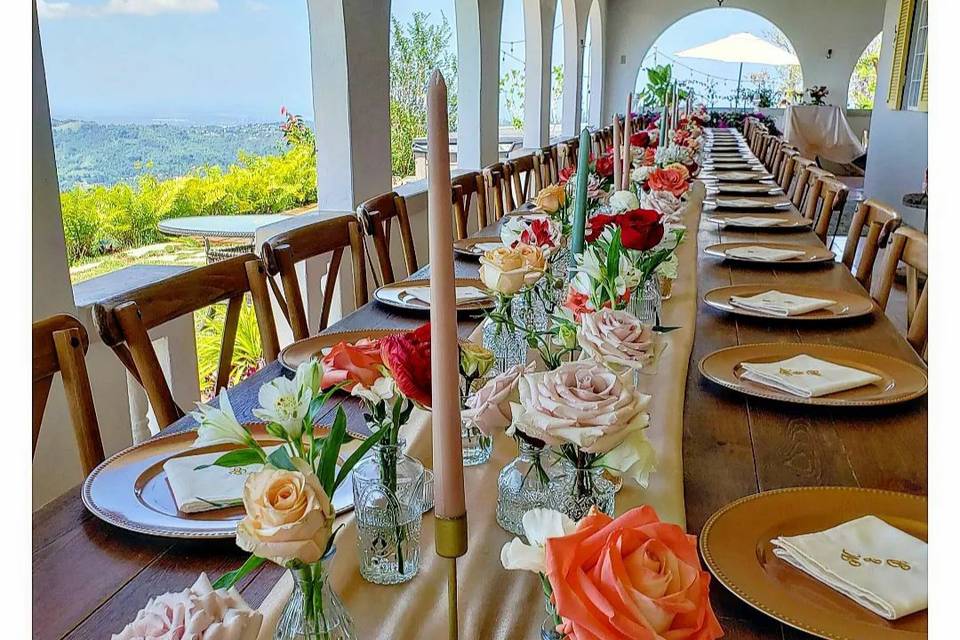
(198, 612)
(604, 276)
(626, 578)
(817, 93)
(536, 231)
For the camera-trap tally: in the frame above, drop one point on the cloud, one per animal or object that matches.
(124, 7)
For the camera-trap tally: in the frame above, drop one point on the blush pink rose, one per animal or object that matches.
(617, 339)
(489, 408)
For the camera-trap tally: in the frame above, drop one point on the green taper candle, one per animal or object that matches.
(580, 199)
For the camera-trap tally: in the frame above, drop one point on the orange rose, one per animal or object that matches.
(351, 364)
(670, 180)
(633, 578)
(679, 167)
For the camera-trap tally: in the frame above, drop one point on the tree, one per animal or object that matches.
(556, 94)
(512, 90)
(863, 82)
(790, 76)
(416, 49)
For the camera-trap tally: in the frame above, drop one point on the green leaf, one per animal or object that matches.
(331, 447)
(235, 458)
(280, 459)
(354, 458)
(231, 578)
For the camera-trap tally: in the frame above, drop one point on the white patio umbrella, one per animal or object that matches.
(741, 47)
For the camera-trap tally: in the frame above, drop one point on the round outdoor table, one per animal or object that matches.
(240, 227)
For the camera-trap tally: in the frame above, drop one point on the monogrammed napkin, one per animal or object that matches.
(778, 303)
(806, 376)
(764, 254)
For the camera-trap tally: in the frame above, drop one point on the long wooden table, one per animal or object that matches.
(90, 578)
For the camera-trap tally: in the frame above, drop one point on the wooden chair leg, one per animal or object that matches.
(76, 383)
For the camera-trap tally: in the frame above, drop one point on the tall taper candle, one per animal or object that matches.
(662, 142)
(580, 199)
(627, 161)
(617, 153)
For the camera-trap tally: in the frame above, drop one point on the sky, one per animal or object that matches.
(235, 61)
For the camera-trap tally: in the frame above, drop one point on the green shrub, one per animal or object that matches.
(247, 351)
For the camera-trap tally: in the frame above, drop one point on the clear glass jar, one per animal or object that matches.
(523, 484)
(576, 489)
(309, 616)
(666, 287)
(508, 346)
(529, 309)
(548, 630)
(647, 302)
(388, 496)
(477, 446)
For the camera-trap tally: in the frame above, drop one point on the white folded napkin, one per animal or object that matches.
(749, 203)
(806, 376)
(422, 294)
(480, 247)
(764, 254)
(876, 565)
(213, 487)
(748, 221)
(780, 304)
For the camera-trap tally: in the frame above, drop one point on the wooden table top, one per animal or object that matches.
(90, 579)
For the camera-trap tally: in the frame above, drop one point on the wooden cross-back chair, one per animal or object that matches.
(524, 181)
(908, 246)
(598, 142)
(567, 152)
(787, 167)
(376, 217)
(795, 189)
(881, 221)
(779, 160)
(467, 189)
(281, 253)
(59, 345)
(495, 182)
(806, 179)
(826, 195)
(546, 165)
(125, 320)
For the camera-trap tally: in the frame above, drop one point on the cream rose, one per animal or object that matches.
(624, 201)
(617, 339)
(662, 202)
(489, 408)
(551, 198)
(507, 270)
(194, 613)
(289, 516)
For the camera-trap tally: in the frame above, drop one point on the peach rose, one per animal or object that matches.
(551, 198)
(352, 364)
(679, 168)
(289, 516)
(507, 270)
(633, 578)
(668, 180)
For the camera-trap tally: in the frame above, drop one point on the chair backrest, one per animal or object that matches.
(760, 140)
(787, 167)
(778, 160)
(795, 189)
(524, 181)
(59, 344)
(546, 165)
(806, 179)
(497, 186)
(376, 217)
(468, 189)
(124, 321)
(567, 152)
(282, 252)
(881, 221)
(599, 143)
(826, 195)
(909, 246)
(770, 151)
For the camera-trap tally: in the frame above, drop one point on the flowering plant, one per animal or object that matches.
(817, 93)
(604, 276)
(536, 231)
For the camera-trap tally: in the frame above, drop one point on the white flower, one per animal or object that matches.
(538, 525)
(640, 173)
(218, 426)
(285, 402)
(309, 376)
(383, 390)
(668, 268)
(633, 458)
(590, 264)
(624, 201)
(672, 153)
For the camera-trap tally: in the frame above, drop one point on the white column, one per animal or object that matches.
(538, 18)
(597, 49)
(478, 82)
(349, 59)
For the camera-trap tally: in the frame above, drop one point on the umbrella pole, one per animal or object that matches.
(739, 76)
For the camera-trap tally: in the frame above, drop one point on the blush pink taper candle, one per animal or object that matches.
(617, 154)
(627, 161)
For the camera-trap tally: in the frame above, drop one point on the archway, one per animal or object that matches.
(863, 79)
(715, 82)
(557, 69)
(594, 63)
(512, 70)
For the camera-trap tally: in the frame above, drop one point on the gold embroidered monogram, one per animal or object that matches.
(855, 560)
(798, 372)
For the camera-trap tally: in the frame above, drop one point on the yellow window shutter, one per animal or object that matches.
(901, 47)
(922, 101)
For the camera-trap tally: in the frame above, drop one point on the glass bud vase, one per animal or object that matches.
(575, 490)
(314, 610)
(530, 309)
(647, 302)
(388, 494)
(548, 630)
(477, 446)
(508, 346)
(524, 484)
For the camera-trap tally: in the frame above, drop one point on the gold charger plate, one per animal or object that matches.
(741, 187)
(130, 490)
(899, 380)
(846, 304)
(812, 253)
(735, 544)
(419, 305)
(468, 246)
(739, 176)
(749, 202)
(294, 354)
(787, 222)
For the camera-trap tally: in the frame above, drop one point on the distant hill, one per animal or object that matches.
(94, 153)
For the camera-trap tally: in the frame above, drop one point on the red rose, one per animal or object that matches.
(670, 180)
(407, 356)
(640, 229)
(605, 166)
(566, 174)
(640, 139)
(597, 224)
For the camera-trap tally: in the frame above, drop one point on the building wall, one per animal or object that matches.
(812, 26)
(897, 155)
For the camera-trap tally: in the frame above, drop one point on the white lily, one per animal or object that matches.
(669, 267)
(590, 264)
(309, 375)
(285, 402)
(633, 458)
(538, 525)
(383, 390)
(218, 425)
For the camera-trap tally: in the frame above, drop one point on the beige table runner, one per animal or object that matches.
(495, 603)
